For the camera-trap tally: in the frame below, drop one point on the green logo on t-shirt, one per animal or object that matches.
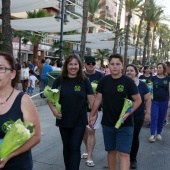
(120, 88)
(77, 88)
(7, 125)
(95, 81)
(165, 82)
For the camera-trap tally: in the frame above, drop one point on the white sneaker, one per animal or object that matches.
(159, 137)
(152, 138)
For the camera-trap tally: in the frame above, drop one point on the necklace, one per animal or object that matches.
(2, 104)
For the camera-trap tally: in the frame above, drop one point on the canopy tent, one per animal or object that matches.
(46, 24)
(27, 5)
(109, 45)
(90, 37)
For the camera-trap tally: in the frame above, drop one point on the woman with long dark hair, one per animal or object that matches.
(75, 90)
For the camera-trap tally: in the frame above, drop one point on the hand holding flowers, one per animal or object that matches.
(127, 107)
(16, 136)
(53, 96)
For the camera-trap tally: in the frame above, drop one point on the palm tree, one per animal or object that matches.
(141, 16)
(103, 54)
(84, 29)
(130, 6)
(117, 32)
(134, 31)
(36, 38)
(163, 35)
(6, 27)
(153, 12)
(94, 6)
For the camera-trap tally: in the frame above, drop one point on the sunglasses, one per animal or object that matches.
(91, 64)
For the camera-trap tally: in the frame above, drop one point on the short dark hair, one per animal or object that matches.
(11, 61)
(31, 72)
(117, 56)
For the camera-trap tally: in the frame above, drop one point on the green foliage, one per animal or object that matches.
(66, 47)
(37, 14)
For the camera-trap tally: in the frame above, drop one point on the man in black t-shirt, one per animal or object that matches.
(111, 91)
(89, 136)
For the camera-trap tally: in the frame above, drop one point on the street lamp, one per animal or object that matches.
(61, 15)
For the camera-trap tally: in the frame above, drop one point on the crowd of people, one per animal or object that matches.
(84, 109)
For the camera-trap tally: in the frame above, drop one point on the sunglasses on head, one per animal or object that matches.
(91, 64)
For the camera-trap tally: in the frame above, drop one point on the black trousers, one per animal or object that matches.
(72, 139)
(135, 143)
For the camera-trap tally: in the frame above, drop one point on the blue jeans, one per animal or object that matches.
(30, 90)
(72, 139)
(158, 114)
(44, 82)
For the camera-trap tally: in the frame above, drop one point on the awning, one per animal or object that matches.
(90, 37)
(109, 45)
(46, 24)
(28, 5)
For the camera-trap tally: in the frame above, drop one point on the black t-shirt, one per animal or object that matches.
(73, 100)
(143, 89)
(95, 78)
(113, 93)
(148, 79)
(160, 88)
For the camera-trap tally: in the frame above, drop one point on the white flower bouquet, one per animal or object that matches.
(53, 96)
(17, 134)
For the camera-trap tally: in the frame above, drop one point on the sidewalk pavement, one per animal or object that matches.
(38, 101)
(48, 154)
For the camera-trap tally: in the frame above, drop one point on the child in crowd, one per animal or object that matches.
(31, 82)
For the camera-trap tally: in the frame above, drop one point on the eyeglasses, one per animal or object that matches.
(91, 64)
(3, 69)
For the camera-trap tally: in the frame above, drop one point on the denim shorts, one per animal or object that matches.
(118, 139)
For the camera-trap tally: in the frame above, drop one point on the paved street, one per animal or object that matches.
(48, 154)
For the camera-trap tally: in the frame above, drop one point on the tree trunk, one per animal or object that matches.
(35, 54)
(84, 29)
(117, 33)
(138, 37)
(6, 27)
(127, 40)
(146, 43)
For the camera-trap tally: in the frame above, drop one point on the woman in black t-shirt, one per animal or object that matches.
(75, 89)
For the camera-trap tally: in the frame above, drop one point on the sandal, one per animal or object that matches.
(90, 163)
(84, 156)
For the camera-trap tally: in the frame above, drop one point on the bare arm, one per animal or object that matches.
(90, 99)
(93, 113)
(29, 114)
(56, 113)
(147, 99)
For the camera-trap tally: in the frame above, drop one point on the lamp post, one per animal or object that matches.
(19, 49)
(62, 16)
